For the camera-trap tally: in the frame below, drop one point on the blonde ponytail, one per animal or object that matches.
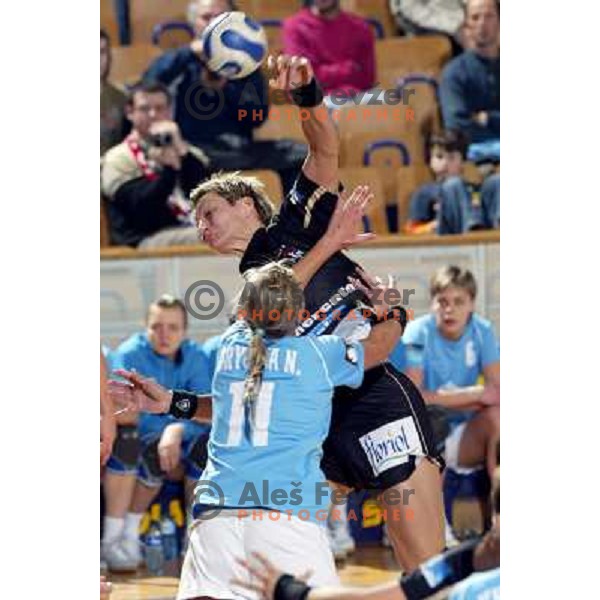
(257, 355)
(270, 304)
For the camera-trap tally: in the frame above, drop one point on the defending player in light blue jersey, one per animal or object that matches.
(272, 396)
(272, 399)
(265, 450)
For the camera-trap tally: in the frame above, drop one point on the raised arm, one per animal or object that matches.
(294, 75)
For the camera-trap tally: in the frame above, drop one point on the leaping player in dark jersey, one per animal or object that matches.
(380, 436)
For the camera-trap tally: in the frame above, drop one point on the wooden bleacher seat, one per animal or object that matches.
(399, 56)
(377, 9)
(108, 21)
(283, 123)
(427, 113)
(386, 159)
(145, 14)
(410, 124)
(274, 31)
(271, 181)
(270, 9)
(371, 125)
(130, 62)
(172, 34)
(408, 179)
(424, 101)
(371, 176)
(376, 138)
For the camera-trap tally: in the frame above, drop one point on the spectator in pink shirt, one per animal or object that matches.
(339, 45)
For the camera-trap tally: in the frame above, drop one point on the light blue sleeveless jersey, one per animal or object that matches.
(267, 453)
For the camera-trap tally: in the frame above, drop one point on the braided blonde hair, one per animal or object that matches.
(269, 303)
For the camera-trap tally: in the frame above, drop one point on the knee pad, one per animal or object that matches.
(126, 450)
(195, 459)
(149, 470)
(440, 426)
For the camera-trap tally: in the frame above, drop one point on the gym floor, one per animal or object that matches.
(369, 565)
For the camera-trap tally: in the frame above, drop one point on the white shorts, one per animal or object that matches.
(292, 545)
(453, 446)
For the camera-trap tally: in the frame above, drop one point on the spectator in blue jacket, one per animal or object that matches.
(207, 106)
(160, 445)
(470, 85)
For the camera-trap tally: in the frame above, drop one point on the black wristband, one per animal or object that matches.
(394, 313)
(397, 313)
(307, 96)
(183, 404)
(290, 588)
(440, 571)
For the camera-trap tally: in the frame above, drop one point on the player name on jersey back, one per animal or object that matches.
(235, 358)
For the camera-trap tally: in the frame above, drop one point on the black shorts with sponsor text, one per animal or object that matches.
(378, 432)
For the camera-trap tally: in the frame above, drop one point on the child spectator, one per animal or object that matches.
(450, 204)
(159, 443)
(447, 352)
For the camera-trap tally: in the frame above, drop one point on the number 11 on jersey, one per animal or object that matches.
(262, 414)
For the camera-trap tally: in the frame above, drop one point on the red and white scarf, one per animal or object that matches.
(177, 202)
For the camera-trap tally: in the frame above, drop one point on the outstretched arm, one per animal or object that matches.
(266, 578)
(146, 395)
(295, 75)
(437, 573)
(108, 426)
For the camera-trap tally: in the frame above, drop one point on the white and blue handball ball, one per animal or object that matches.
(234, 45)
